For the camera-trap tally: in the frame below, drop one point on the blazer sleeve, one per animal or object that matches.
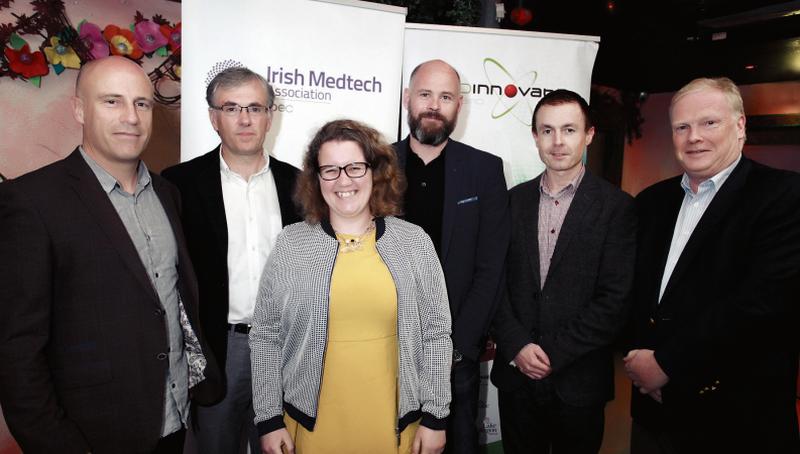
(602, 319)
(751, 308)
(477, 309)
(437, 347)
(27, 393)
(265, 345)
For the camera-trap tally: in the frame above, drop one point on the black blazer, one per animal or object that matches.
(82, 332)
(579, 312)
(725, 331)
(206, 230)
(475, 231)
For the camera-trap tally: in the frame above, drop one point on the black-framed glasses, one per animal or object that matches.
(352, 170)
(233, 110)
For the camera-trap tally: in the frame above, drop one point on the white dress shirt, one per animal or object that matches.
(253, 215)
(692, 209)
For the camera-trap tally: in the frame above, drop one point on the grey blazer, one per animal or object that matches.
(584, 302)
(288, 337)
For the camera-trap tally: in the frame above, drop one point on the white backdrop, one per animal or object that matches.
(504, 73)
(326, 60)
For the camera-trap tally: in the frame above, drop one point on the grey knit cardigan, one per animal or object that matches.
(289, 332)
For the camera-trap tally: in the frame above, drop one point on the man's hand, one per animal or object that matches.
(277, 442)
(428, 441)
(645, 373)
(533, 362)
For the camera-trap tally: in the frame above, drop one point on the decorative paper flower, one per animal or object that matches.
(25, 63)
(93, 39)
(122, 42)
(149, 36)
(59, 54)
(173, 35)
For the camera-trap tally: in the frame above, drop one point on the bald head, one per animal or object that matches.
(434, 66)
(106, 67)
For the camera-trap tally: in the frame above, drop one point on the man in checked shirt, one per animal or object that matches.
(569, 272)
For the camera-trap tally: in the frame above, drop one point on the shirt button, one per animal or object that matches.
(424, 184)
(553, 231)
(556, 202)
(173, 386)
(156, 274)
(161, 356)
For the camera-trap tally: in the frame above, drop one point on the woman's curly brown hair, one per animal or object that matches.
(388, 182)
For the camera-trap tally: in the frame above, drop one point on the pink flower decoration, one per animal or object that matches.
(92, 38)
(148, 35)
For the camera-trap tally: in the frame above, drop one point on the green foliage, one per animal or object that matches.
(445, 12)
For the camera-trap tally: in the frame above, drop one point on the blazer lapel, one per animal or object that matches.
(453, 182)
(662, 239)
(209, 185)
(722, 204)
(585, 198)
(529, 218)
(88, 189)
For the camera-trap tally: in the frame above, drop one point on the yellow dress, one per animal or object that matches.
(358, 399)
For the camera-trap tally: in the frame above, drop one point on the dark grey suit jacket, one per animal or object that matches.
(475, 229)
(82, 331)
(725, 331)
(583, 305)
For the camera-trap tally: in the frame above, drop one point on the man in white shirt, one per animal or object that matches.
(236, 199)
(714, 364)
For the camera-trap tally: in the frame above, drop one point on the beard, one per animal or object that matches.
(435, 135)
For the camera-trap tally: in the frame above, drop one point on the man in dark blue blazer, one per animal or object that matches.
(569, 274)
(457, 194)
(236, 199)
(100, 342)
(714, 365)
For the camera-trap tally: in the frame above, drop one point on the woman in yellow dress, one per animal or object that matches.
(350, 344)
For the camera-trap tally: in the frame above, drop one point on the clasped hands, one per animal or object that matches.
(533, 362)
(645, 373)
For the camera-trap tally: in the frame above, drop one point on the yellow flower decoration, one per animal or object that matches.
(61, 54)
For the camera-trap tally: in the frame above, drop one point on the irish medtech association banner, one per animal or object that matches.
(504, 73)
(325, 59)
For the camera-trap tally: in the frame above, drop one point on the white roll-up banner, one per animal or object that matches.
(325, 59)
(504, 73)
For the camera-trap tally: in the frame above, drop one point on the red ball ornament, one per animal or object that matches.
(521, 16)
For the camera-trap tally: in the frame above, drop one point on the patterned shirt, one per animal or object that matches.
(692, 209)
(552, 211)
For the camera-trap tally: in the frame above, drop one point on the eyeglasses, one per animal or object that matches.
(352, 170)
(233, 110)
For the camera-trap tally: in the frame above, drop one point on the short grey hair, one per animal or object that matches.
(234, 77)
(722, 84)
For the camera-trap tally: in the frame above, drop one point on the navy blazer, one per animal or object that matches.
(82, 331)
(206, 229)
(475, 232)
(725, 331)
(584, 303)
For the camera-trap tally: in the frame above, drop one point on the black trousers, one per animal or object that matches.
(171, 444)
(462, 425)
(534, 420)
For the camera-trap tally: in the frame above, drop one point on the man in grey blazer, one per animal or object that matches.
(569, 272)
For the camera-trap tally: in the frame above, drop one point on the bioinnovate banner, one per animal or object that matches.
(503, 75)
(325, 59)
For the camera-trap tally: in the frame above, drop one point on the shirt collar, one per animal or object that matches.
(572, 186)
(107, 181)
(713, 183)
(225, 168)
